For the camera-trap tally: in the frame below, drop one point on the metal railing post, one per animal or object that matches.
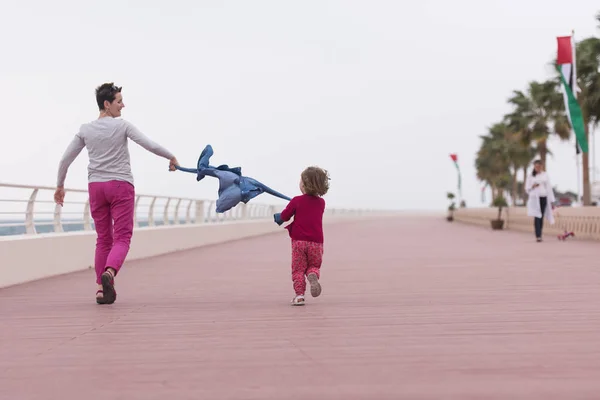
(166, 212)
(176, 217)
(188, 217)
(87, 221)
(200, 211)
(57, 218)
(29, 221)
(151, 212)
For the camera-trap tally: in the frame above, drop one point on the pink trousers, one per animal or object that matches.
(306, 259)
(112, 206)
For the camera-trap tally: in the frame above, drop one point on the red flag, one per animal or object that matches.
(565, 51)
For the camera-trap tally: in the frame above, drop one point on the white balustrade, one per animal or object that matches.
(31, 209)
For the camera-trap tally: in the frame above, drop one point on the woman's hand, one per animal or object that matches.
(59, 196)
(173, 163)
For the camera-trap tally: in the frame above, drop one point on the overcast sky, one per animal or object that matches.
(377, 92)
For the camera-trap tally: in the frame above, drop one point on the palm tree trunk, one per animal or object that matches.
(543, 149)
(513, 195)
(524, 183)
(587, 196)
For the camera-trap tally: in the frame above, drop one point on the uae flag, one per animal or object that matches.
(567, 71)
(454, 158)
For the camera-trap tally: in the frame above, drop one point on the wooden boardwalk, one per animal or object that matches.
(411, 309)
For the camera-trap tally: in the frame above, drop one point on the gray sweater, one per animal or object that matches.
(106, 143)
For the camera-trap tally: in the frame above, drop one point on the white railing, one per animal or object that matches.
(32, 209)
(26, 209)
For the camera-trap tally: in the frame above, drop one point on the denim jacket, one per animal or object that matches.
(233, 187)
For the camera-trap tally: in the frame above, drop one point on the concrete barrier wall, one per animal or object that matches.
(31, 257)
(583, 221)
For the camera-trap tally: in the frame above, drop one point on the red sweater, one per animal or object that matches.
(308, 218)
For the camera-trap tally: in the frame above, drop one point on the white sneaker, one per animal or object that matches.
(298, 300)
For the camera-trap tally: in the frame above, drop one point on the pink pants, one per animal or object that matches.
(111, 201)
(306, 259)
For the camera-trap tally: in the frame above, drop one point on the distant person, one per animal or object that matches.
(306, 231)
(541, 198)
(110, 183)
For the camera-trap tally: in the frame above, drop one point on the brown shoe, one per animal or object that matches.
(108, 288)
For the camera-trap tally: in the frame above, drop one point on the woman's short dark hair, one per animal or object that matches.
(106, 92)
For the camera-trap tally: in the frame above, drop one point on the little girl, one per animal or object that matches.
(306, 231)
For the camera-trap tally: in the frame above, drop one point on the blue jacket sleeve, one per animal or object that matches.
(277, 218)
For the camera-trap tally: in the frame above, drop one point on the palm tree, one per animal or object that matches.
(521, 134)
(521, 155)
(508, 153)
(493, 159)
(484, 165)
(537, 114)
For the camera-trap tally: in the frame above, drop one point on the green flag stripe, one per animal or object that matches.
(575, 113)
(458, 169)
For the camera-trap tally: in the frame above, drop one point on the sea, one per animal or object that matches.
(45, 226)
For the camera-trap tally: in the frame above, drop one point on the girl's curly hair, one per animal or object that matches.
(315, 181)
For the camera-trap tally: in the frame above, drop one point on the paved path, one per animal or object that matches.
(411, 309)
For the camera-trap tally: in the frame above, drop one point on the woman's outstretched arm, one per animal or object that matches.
(67, 159)
(137, 136)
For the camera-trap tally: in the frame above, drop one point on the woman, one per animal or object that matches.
(110, 187)
(541, 198)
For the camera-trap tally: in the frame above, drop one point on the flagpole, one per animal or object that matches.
(454, 158)
(459, 187)
(575, 87)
